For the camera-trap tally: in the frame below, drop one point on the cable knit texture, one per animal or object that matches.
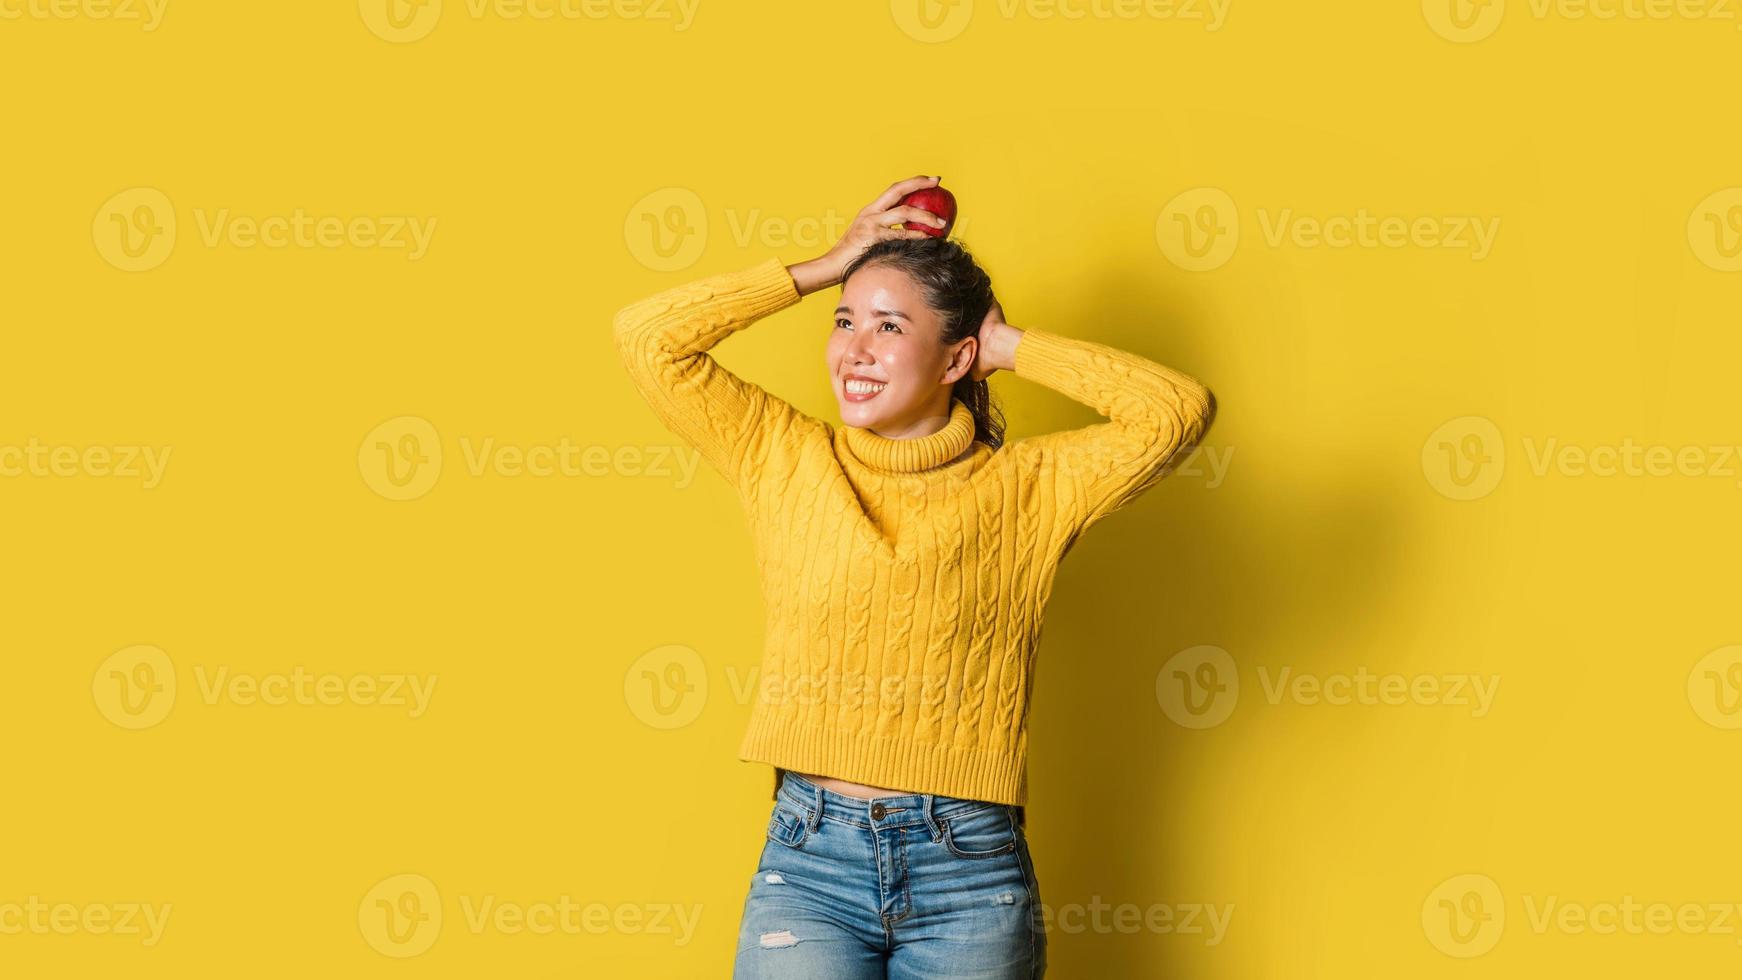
(904, 579)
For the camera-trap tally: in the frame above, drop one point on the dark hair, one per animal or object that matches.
(960, 292)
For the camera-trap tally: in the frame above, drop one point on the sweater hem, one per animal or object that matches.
(899, 763)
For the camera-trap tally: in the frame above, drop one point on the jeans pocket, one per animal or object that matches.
(980, 833)
(788, 827)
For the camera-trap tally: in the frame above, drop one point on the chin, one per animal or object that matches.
(859, 415)
(864, 415)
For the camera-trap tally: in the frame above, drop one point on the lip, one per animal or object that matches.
(854, 396)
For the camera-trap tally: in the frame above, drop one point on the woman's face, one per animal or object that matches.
(889, 369)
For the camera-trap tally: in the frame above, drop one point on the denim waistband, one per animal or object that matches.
(907, 809)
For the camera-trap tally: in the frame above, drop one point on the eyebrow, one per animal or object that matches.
(844, 309)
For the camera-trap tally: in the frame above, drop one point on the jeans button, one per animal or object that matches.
(877, 811)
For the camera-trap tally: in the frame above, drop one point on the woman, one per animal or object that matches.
(905, 558)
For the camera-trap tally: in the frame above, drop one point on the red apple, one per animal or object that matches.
(939, 202)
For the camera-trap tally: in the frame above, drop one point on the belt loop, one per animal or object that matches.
(817, 810)
(931, 822)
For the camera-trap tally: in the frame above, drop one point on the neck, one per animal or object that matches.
(936, 416)
(930, 442)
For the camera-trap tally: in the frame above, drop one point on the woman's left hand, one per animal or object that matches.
(997, 344)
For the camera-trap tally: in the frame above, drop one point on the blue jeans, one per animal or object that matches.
(896, 888)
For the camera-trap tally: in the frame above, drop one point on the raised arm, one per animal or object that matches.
(1155, 416)
(664, 342)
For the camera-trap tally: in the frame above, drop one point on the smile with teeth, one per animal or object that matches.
(858, 387)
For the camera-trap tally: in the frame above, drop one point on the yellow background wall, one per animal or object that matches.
(1436, 461)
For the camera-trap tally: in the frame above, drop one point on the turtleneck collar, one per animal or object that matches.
(920, 453)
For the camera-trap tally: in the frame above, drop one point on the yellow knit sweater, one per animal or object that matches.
(904, 581)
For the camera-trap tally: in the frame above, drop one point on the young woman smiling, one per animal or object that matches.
(906, 558)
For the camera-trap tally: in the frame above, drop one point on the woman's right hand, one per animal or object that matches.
(875, 223)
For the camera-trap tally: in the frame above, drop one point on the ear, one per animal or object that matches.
(962, 359)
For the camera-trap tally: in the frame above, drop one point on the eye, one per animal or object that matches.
(844, 323)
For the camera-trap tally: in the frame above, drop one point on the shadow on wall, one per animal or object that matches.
(1253, 566)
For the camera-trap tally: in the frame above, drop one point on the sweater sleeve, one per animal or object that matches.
(1156, 416)
(664, 342)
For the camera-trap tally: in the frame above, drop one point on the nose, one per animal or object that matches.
(858, 350)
